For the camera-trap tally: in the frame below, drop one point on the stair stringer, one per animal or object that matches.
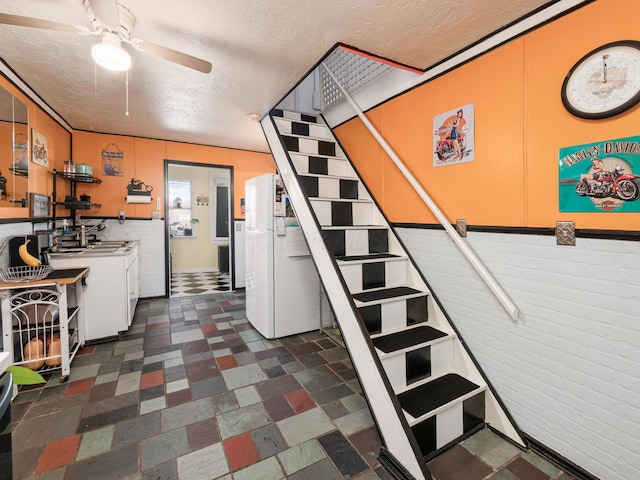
(384, 406)
(439, 408)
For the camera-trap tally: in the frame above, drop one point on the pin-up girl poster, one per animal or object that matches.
(453, 136)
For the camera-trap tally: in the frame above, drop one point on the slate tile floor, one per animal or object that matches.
(193, 392)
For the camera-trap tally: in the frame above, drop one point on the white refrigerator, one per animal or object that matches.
(282, 286)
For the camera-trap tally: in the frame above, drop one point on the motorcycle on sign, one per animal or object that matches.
(625, 186)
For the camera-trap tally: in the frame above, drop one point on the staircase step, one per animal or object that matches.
(360, 258)
(319, 165)
(386, 294)
(297, 116)
(303, 129)
(330, 187)
(407, 338)
(431, 395)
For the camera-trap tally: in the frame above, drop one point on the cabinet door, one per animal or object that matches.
(132, 288)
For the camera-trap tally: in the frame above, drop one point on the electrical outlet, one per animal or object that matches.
(155, 215)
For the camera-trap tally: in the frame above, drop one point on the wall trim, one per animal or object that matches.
(565, 464)
(629, 235)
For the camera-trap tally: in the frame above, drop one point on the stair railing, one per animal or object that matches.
(473, 259)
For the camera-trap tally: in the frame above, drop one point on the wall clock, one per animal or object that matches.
(605, 82)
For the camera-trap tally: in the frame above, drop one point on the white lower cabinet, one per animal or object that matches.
(111, 293)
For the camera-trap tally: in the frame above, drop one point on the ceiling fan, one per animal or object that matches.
(113, 23)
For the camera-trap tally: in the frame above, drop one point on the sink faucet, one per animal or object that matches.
(83, 235)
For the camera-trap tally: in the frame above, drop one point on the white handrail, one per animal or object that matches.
(493, 285)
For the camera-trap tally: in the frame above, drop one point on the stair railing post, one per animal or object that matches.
(473, 259)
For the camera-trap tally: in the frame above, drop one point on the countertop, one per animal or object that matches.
(63, 276)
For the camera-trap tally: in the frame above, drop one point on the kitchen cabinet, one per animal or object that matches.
(42, 321)
(111, 294)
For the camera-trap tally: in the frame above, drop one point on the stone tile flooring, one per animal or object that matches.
(193, 392)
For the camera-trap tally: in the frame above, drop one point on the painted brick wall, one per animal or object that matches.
(568, 368)
(150, 234)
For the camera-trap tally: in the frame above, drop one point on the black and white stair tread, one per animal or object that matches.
(309, 154)
(308, 137)
(331, 177)
(436, 393)
(343, 200)
(371, 256)
(355, 227)
(407, 338)
(318, 156)
(382, 294)
(302, 117)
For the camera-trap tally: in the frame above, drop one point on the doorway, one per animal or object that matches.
(199, 233)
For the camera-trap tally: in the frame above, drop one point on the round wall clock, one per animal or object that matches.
(605, 82)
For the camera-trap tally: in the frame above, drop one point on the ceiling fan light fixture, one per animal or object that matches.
(108, 53)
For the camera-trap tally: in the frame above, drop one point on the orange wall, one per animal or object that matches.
(520, 124)
(143, 159)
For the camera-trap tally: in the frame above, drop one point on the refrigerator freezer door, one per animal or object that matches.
(259, 201)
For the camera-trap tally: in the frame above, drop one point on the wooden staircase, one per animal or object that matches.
(419, 379)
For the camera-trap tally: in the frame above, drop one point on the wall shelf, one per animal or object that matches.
(73, 179)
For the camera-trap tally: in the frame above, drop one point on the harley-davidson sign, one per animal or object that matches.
(600, 177)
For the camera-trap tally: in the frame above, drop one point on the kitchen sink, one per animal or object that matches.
(99, 247)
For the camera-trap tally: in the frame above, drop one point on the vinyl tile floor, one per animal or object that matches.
(193, 392)
(199, 283)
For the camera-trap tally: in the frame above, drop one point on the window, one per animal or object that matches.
(220, 208)
(181, 218)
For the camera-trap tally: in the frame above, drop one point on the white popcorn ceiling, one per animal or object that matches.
(259, 50)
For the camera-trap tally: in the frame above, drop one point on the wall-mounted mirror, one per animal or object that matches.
(14, 151)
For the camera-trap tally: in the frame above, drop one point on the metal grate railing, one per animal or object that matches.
(353, 71)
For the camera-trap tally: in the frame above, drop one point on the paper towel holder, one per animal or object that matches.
(138, 198)
(138, 192)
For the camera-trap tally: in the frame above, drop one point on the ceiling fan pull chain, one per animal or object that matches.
(127, 91)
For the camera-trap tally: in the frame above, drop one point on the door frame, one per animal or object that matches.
(167, 250)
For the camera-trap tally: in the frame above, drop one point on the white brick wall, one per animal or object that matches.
(569, 369)
(150, 234)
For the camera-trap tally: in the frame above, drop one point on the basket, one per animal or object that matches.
(24, 274)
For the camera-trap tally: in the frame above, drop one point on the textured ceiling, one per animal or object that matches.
(259, 50)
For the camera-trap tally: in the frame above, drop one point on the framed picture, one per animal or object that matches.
(39, 153)
(38, 205)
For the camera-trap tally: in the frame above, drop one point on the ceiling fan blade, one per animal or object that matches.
(8, 19)
(172, 55)
(106, 11)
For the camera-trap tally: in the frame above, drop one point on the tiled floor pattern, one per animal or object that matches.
(193, 392)
(198, 283)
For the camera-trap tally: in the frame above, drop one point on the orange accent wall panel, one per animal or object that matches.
(520, 124)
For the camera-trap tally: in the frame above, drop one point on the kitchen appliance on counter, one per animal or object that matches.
(38, 246)
(282, 291)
